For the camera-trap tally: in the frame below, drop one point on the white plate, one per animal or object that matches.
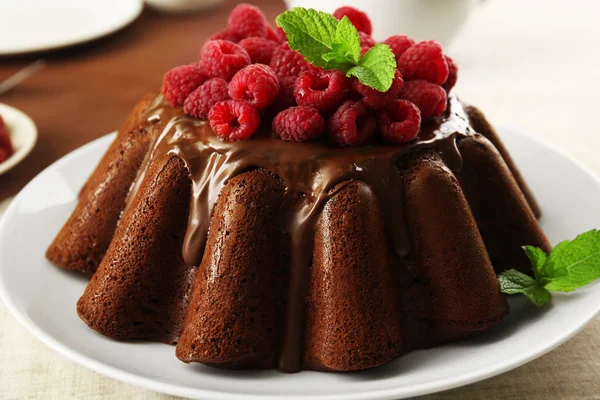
(23, 135)
(43, 299)
(37, 25)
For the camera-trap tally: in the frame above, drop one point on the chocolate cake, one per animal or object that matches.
(269, 254)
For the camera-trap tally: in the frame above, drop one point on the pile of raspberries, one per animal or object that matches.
(248, 71)
(6, 148)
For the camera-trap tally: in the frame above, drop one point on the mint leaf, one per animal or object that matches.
(309, 32)
(514, 282)
(328, 43)
(377, 67)
(538, 259)
(573, 264)
(346, 47)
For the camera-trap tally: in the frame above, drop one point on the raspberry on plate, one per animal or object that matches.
(247, 21)
(452, 75)
(424, 61)
(199, 102)
(359, 19)
(222, 59)
(5, 143)
(286, 62)
(299, 124)
(373, 97)
(260, 50)
(399, 44)
(234, 119)
(428, 97)
(179, 82)
(257, 84)
(323, 90)
(352, 124)
(399, 121)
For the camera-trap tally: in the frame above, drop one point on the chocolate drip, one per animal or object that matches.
(312, 174)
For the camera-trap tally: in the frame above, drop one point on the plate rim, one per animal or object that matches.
(24, 151)
(82, 39)
(177, 390)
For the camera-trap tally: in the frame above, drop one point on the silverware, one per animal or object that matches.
(21, 75)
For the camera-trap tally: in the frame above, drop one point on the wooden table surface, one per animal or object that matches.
(531, 64)
(87, 91)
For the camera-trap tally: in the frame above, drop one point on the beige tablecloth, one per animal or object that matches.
(532, 64)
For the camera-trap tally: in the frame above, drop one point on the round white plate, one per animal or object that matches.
(28, 26)
(43, 299)
(23, 135)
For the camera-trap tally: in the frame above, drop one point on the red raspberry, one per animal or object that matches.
(5, 143)
(363, 50)
(199, 102)
(224, 35)
(400, 121)
(288, 63)
(286, 95)
(374, 98)
(452, 75)
(323, 90)
(352, 124)
(260, 50)
(256, 84)
(425, 60)
(222, 59)
(299, 124)
(366, 40)
(429, 97)
(179, 82)
(247, 21)
(399, 44)
(234, 119)
(359, 19)
(276, 34)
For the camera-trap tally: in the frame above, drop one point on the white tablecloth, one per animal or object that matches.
(531, 64)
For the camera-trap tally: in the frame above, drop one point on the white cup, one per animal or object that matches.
(419, 19)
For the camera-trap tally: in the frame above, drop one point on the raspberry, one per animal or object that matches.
(247, 21)
(399, 44)
(222, 59)
(366, 40)
(260, 50)
(286, 95)
(234, 119)
(224, 35)
(363, 50)
(276, 34)
(288, 63)
(399, 121)
(374, 98)
(352, 124)
(429, 97)
(5, 143)
(256, 84)
(425, 61)
(179, 82)
(323, 90)
(199, 102)
(299, 124)
(359, 19)
(452, 75)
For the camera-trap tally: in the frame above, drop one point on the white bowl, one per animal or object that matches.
(23, 135)
(181, 6)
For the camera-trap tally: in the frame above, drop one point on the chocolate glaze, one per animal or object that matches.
(312, 174)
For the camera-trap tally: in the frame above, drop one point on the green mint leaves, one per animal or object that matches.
(570, 265)
(328, 43)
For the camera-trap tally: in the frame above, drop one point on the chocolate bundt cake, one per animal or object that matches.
(269, 254)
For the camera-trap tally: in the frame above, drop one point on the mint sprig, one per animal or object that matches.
(570, 266)
(328, 43)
